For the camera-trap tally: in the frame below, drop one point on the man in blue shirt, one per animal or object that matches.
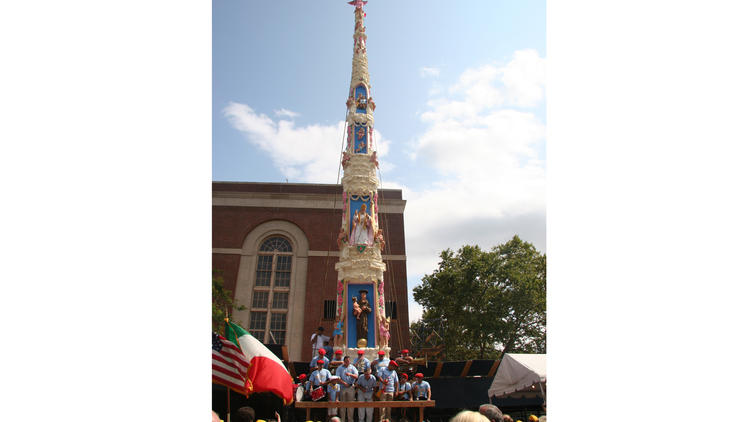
(389, 384)
(380, 363)
(321, 356)
(361, 362)
(421, 389)
(365, 386)
(348, 374)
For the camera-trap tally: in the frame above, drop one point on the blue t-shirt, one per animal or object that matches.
(342, 370)
(391, 377)
(420, 389)
(361, 363)
(314, 362)
(333, 390)
(368, 385)
(406, 386)
(319, 377)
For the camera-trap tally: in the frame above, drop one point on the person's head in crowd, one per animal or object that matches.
(403, 377)
(491, 412)
(469, 416)
(368, 371)
(405, 353)
(392, 365)
(320, 363)
(533, 418)
(507, 418)
(321, 352)
(214, 417)
(418, 377)
(381, 355)
(302, 377)
(244, 414)
(360, 353)
(338, 354)
(335, 419)
(321, 330)
(346, 360)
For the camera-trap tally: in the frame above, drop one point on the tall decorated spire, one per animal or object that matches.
(360, 311)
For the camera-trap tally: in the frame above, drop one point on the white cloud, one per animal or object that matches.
(286, 113)
(306, 154)
(489, 182)
(429, 71)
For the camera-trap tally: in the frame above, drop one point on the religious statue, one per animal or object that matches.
(341, 240)
(380, 240)
(385, 330)
(361, 102)
(361, 233)
(338, 333)
(364, 306)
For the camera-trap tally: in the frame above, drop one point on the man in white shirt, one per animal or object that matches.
(366, 385)
(348, 374)
(318, 341)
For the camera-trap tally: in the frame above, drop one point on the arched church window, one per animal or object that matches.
(270, 302)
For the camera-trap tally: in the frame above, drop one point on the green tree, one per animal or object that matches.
(483, 304)
(222, 301)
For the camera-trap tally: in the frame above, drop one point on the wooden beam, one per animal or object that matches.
(466, 368)
(438, 368)
(493, 369)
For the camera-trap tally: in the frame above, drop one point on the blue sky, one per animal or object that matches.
(460, 119)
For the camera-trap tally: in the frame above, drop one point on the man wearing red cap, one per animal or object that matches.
(389, 384)
(361, 362)
(321, 356)
(421, 389)
(381, 363)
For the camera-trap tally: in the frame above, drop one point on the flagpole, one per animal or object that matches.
(228, 407)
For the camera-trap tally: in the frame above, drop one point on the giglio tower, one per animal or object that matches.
(360, 300)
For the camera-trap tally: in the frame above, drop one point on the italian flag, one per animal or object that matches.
(266, 372)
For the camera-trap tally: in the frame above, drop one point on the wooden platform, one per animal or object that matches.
(421, 404)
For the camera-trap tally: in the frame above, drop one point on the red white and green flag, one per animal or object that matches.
(266, 372)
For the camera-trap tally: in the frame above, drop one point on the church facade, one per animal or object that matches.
(276, 247)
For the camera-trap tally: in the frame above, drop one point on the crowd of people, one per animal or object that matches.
(360, 380)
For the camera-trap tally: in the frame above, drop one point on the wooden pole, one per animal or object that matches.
(228, 408)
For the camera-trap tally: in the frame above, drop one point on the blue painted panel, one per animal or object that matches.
(351, 326)
(360, 99)
(360, 139)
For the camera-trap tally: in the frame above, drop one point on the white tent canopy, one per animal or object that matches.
(518, 371)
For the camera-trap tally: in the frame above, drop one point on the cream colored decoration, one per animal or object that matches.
(360, 176)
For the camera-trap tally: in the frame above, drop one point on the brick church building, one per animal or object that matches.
(275, 244)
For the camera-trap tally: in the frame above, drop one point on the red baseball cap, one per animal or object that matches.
(321, 361)
(404, 351)
(338, 352)
(360, 352)
(393, 362)
(381, 353)
(419, 375)
(302, 376)
(322, 351)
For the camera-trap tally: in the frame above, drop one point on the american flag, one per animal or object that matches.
(229, 365)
